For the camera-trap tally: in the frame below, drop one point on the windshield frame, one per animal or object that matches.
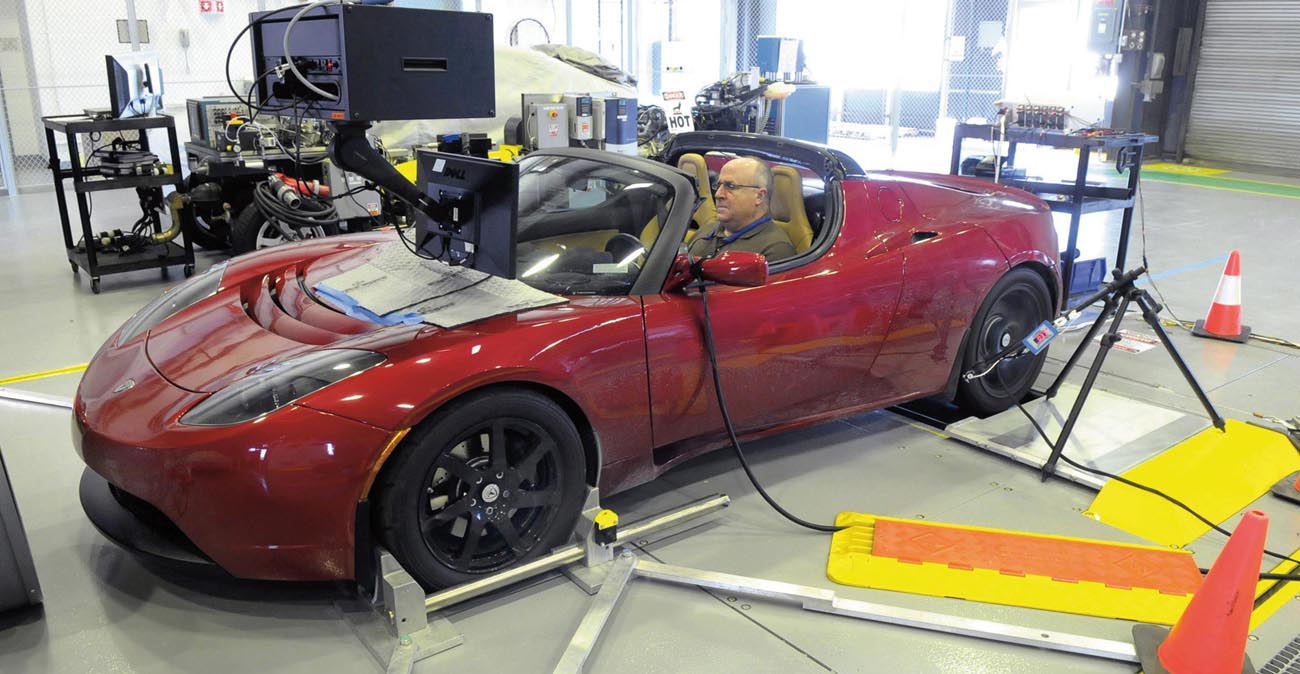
(660, 258)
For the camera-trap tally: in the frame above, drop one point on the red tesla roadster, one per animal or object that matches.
(243, 421)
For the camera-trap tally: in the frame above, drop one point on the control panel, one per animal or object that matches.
(372, 62)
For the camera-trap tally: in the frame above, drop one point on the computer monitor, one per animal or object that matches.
(480, 200)
(135, 84)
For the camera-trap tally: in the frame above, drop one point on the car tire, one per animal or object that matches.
(451, 508)
(1018, 302)
(208, 233)
(251, 231)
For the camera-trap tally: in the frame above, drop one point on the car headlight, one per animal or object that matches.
(179, 297)
(273, 386)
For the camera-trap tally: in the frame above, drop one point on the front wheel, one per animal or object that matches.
(493, 480)
(1018, 302)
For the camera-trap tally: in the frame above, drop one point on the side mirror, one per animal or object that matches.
(732, 268)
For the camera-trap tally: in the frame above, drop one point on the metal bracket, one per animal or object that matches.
(400, 625)
(396, 630)
(594, 568)
(618, 574)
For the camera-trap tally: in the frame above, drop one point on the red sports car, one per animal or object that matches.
(240, 419)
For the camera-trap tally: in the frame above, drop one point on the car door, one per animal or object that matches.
(799, 347)
(951, 262)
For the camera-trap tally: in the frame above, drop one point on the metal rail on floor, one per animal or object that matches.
(34, 398)
(413, 617)
(416, 631)
(628, 566)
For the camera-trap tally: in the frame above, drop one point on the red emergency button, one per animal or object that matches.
(554, 114)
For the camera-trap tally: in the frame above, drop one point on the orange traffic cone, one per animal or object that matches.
(1224, 319)
(1210, 637)
(1289, 488)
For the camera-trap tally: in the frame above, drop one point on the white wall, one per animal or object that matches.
(68, 41)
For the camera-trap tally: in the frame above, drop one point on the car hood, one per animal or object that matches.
(266, 311)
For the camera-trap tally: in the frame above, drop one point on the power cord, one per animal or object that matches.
(1156, 492)
(731, 430)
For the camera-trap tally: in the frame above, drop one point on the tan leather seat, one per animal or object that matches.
(706, 215)
(787, 206)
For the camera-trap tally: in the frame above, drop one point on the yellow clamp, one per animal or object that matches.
(506, 153)
(606, 531)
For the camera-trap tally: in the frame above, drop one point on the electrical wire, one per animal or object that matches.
(230, 52)
(1141, 487)
(731, 429)
(514, 31)
(310, 213)
(410, 245)
(288, 58)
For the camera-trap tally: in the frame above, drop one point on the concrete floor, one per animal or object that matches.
(106, 612)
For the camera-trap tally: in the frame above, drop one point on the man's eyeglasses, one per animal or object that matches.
(732, 187)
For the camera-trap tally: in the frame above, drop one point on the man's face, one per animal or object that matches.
(746, 201)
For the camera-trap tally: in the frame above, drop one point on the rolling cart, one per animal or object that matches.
(98, 263)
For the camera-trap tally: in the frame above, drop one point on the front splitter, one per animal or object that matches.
(133, 534)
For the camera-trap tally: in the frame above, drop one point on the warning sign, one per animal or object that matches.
(679, 113)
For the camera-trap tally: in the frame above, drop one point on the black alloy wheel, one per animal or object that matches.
(1017, 304)
(493, 480)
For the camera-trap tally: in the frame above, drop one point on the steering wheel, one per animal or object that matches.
(623, 245)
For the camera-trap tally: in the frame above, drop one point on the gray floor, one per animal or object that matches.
(105, 612)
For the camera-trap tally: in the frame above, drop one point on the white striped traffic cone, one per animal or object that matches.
(1224, 319)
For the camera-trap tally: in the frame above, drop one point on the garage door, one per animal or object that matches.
(1246, 101)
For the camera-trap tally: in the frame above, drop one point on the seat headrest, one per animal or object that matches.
(786, 199)
(695, 165)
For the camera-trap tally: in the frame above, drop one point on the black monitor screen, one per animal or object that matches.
(135, 84)
(480, 199)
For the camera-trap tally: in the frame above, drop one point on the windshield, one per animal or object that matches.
(585, 226)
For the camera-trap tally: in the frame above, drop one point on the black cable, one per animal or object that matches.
(1142, 487)
(731, 430)
(514, 31)
(310, 213)
(410, 245)
(375, 222)
(350, 193)
(229, 52)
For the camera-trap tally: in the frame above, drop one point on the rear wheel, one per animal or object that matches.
(253, 231)
(1018, 302)
(493, 480)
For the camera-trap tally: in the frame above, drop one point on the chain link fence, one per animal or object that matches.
(52, 63)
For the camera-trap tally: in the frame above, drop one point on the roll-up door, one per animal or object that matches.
(1246, 101)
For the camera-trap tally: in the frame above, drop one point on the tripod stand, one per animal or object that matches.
(1117, 296)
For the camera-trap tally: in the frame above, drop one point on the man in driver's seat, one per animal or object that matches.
(744, 192)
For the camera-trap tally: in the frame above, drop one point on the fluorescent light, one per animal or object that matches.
(541, 265)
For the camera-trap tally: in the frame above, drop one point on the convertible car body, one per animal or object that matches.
(260, 429)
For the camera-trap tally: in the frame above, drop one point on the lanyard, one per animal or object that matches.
(744, 230)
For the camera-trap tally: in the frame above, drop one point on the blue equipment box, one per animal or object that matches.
(1089, 275)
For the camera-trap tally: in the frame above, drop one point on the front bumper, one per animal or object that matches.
(145, 533)
(274, 499)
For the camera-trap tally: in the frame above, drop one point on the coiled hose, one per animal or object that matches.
(308, 213)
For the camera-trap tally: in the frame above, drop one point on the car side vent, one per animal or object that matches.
(260, 301)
